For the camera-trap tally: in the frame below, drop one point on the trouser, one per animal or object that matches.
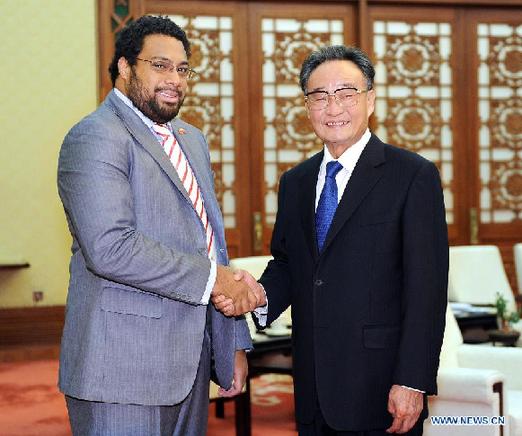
(188, 418)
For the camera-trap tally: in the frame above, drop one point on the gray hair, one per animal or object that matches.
(337, 53)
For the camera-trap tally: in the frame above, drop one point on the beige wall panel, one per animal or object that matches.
(48, 79)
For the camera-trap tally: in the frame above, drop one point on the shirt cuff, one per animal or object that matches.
(261, 313)
(413, 389)
(210, 282)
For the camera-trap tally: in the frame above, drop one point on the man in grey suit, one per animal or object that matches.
(140, 340)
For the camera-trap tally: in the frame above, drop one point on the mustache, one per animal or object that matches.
(175, 89)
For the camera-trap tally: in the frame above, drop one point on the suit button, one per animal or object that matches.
(319, 282)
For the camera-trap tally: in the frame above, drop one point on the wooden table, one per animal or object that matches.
(475, 325)
(508, 339)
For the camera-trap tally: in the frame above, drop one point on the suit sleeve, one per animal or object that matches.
(93, 181)
(276, 277)
(243, 339)
(425, 279)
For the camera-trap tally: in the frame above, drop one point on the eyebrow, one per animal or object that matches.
(339, 86)
(162, 58)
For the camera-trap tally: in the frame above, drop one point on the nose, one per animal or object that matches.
(333, 107)
(172, 76)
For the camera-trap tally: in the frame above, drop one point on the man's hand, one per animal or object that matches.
(240, 375)
(226, 305)
(405, 405)
(255, 287)
(235, 291)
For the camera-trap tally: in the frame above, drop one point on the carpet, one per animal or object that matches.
(31, 405)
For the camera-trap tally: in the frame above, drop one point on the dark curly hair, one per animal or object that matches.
(130, 39)
(337, 53)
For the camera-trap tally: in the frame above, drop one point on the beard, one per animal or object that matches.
(148, 104)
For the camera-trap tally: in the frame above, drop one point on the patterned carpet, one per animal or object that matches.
(30, 404)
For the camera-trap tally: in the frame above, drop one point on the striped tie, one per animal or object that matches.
(180, 162)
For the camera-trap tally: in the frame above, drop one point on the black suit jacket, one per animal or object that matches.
(368, 311)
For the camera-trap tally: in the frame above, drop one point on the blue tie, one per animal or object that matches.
(327, 203)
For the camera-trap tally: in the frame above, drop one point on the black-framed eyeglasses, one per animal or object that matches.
(345, 97)
(163, 66)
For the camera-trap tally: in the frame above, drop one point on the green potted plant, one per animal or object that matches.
(506, 318)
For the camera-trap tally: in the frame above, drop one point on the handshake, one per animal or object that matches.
(236, 292)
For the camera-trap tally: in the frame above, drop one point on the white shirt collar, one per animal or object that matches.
(350, 156)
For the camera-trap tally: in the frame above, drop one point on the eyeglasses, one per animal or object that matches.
(163, 66)
(345, 97)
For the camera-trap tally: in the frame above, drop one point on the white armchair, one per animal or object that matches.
(255, 265)
(476, 380)
(476, 274)
(507, 360)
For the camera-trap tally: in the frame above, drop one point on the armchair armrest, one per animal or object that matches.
(507, 360)
(468, 384)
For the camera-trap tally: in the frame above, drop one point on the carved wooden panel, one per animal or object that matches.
(288, 136)
(430, 98)
(499, 49)
(209, 104)
(413, 85)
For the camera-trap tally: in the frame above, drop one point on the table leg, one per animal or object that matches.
(243, 414)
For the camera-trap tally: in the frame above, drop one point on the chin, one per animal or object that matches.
(164, 113)
(170, 108)
(341, 139)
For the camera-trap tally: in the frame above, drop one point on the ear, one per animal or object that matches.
(370, 106)
(124, 68)
(307, 110)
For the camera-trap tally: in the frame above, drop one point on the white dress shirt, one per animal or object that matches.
(348, 160)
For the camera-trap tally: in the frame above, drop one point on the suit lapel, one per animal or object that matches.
(367, 172)
(307, 185)
(146, 138)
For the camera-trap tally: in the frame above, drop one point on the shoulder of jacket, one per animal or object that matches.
(303, 168)
(404, 156)
(102, 121)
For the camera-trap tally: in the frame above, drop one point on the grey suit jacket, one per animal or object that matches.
(134, 326)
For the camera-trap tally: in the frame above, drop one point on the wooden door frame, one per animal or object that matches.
(494, 232)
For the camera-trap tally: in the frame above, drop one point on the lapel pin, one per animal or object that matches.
(182, 131)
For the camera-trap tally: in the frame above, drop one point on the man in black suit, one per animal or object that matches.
(361, 253)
